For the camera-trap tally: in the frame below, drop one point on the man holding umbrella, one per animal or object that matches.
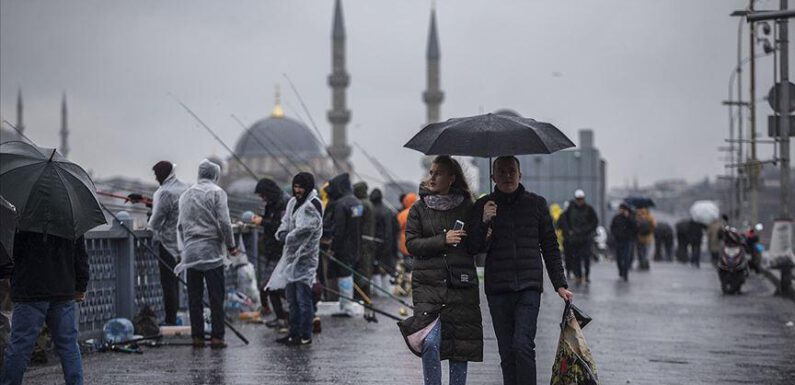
(514, 227)
(51, 271)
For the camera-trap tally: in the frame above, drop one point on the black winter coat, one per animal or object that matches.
(271, 219)
(624, 228)
(579, 224)
(522, 235)
(386, 229)
(48, 268)
(458, 309)
(342, 225)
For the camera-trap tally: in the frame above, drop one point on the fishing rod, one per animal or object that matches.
(134, 199)
(362, 276)
(251, 135)
(206, 127)
(366, 306)
(378, 165)
(157, 256)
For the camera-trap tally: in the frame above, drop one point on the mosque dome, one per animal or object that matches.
(280, 136)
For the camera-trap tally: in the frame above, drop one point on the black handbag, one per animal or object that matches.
(461, 277)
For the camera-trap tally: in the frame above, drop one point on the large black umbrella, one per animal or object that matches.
(489, 135)
(639, 202)
(52, 195)
(8, 228)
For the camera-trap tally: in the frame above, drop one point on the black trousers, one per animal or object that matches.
(581, 257)
(514, 317)
(170, 286)
(276, 297)
(215, 290)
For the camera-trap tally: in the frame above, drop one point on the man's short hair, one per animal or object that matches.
(507, 157)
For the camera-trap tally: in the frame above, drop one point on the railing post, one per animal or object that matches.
(125, 270)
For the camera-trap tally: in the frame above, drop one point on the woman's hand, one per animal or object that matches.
(454, 237)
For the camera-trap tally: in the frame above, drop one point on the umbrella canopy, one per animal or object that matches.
(489, 135)
(8, 228)
(52, 195)
(639, 202)
(704, 212)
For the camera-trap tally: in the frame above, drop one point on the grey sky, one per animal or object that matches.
(647, 76)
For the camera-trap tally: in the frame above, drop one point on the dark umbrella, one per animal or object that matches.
(52, 195)
(8, 227)
(639, 202)
(488, 136)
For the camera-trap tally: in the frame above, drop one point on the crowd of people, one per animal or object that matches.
(343, 242)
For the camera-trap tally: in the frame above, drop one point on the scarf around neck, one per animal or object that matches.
(443, 202)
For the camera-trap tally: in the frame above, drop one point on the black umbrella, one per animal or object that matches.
(639, 202)
(52, 195)
(488, 136)
(8, 228)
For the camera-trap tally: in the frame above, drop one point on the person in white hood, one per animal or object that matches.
(205, 235)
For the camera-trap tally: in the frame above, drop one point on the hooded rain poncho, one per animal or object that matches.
(204, 230)
(165, 213)
(300, 230)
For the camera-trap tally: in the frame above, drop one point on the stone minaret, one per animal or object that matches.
(20, 112)
(339, 115)
(64, 128)
(433, 94)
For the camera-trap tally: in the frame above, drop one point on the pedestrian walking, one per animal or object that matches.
(663, 242)
(300, 230)
(447, 323)
(682, 241)
(206, 234)
(342, 230)
(579, 223)
(624, 231)
(695, 234)
(385, 252)
(275, 204)
(714, 241)
(368, 243)
(514, 228)
(646, 226)
(163, 223)
(404, 279)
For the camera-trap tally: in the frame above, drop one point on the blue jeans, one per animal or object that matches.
(26, 322)
(514, 316)
(432, 363)
(302, 309)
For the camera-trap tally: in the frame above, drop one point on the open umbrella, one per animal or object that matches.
(639, 202)
(704, 212)
(52, 195)
(489, 135)
(8, 227)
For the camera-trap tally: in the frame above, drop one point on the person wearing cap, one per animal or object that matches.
(300, 231)
(624, 230)
(205, 234)
(163, 223)
(579, 223)
(514, 228)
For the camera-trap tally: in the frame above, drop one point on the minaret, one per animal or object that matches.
(339, 115)
(20, 110)
(64, 128)
(433, 94)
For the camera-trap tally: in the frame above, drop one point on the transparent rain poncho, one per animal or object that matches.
(300, 231)
(204, 230)
(165, 213)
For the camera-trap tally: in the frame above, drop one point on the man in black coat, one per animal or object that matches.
(579, 223)
(275, 202)
(514, 227)
(624, 230)
(663, 242)
(386, 230)
(50, 275)
(342, 230)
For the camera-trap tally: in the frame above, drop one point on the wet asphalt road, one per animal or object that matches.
(667, 326)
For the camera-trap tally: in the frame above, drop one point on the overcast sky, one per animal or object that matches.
(647, 76)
